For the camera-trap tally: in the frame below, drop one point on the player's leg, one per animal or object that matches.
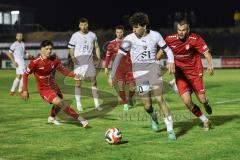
(95, 94)
(187, 100)
(20, 86)
(68, 110)
(203, 99)
(173, 85)
(199, 89)
(52, 118)
(78, 95)
(15, 84)
(122, 94)
(132, 87)
(164, 107)
(147, 102)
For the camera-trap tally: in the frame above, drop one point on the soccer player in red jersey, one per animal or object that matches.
(188, 48)
(124, 72)
(43, 67)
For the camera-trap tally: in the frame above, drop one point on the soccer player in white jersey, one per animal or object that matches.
(81, 47)
(16, 54)
(142, 44)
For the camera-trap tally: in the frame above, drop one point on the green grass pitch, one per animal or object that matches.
(25, 134)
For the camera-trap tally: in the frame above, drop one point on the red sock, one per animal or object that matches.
(123, 96)
(54, 111)
(131, 94)
(196, 111)
(71, 112)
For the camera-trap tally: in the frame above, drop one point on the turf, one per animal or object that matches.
(25, 134)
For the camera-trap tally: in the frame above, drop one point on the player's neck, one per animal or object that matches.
(43, 56)
(85, 32)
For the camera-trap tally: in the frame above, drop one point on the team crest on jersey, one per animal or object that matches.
(187, 47)
(144, 47)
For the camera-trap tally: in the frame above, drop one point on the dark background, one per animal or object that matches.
(62, 15)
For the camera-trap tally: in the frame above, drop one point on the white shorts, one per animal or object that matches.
(85, 70)
(148, 79)
(20, 70)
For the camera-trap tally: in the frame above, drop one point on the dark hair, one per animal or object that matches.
(46, 43)
(139, 18)
(83, 20)
(119, 27)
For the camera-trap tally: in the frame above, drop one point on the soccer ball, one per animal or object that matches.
(113, 135)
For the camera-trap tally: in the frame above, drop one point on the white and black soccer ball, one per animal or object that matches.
(113, 135)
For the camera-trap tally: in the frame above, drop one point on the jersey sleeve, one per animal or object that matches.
(30, 69)
(161, 42)
(125, 46)
(201, 46)
(63, 70)
(72, 42)
(12, 48)
(109, 54)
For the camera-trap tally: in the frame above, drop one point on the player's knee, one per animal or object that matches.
(78, 84)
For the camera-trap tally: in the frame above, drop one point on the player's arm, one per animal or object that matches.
(30, 69)
(98, 52)
(10, 56)
(160, 54)
(63, 70)
(170, 57)
(208, 57)
(74, 59)
(124, 48)
(71, 46)
(108, 57)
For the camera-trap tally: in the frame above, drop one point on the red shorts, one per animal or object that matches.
(49, 94)
(191, 85)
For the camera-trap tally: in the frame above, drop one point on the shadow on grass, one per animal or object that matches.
(216, 121)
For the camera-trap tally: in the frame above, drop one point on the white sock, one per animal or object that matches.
(15, 84)
(20, 87)
(78, 97)
(169, 123)
(203, 118)
(95, 97)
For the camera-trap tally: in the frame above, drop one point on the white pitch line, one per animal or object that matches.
(229, 101)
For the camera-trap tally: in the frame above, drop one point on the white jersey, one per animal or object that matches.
(144, 49)
(18, 51)
(143, 52)
(83, 44)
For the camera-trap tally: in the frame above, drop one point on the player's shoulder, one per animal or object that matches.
(37, 59)
(172, 37)
(194, 36)
(129, 37)
(92, 34)
(75, 34)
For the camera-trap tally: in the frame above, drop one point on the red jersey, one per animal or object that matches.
(112, 51)
(187, 52)
(44, 72)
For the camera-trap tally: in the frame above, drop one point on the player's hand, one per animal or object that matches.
(106, 70)
(25, 95)
(77, 77)
(75, 61)
(159, 54)
(210, 70)
(171, 68)
(98, 63)
(15, 64)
